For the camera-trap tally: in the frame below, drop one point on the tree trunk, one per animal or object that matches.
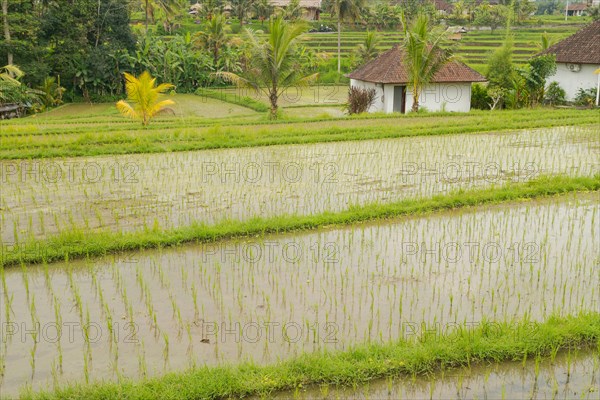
(146, 16)
(6, 29)
(273, 98)
(415, 105)
(339, 45)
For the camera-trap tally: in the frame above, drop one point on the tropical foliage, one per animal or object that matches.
(426, 50)
(144, 97)
(344, 10)
(367, 50)
(274, 66)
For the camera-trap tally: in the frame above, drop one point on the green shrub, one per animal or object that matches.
(585, 98)
(555, 95)
(480, 99)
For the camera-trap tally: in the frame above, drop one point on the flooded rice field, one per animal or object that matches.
(133, 192)
(144, 313)
(571, 375)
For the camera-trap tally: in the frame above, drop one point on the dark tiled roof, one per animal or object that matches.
(388, 68)
(443, 5)
(581, 48)
(577, 7)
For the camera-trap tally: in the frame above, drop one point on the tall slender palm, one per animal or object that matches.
(240, 9)
(211, 8)
(9, 54)
(293, 11)
(144, 95)
(262, 10)
(274, 66)
(426, 51)
(170, 7)
(213, 37)
(344, 10)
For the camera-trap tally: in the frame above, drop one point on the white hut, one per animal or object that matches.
(450, 89)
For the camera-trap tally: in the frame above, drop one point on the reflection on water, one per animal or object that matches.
(571, 375)
(275, 297)
(131, 192)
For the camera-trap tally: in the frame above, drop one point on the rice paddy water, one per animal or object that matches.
(271, 298)
(41, 198)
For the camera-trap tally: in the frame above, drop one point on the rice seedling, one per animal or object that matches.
(403, 171)
(367, 295)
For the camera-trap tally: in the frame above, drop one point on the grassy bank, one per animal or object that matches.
(483, 342)
(80, 243)
(32, 138)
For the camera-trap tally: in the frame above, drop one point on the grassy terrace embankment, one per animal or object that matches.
(111, 134)
(487, 342)
(80, 243)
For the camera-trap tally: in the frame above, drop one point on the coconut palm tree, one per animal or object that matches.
(344, 10)
(211, 8)
(274, 66)
(144, 94)
(262, 10)
(9, 54)
(213, 37)
(426, 51)
(240, 9)
(293, 11)
(367, 50)
(169, 7)
(545, 42)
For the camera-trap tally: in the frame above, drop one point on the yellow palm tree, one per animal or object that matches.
(144, 94)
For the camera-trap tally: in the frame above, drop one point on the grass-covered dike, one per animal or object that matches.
(413, 355)
(79, 243)
(30, 138)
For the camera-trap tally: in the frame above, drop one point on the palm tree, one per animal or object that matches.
(144, 94)
(544, 43)
(213, 37)
(344, 10)
(169, 7)
(51, 92)
(293, 11)
(274, 66)
(9, 54)
(424, 54)
(367, 50)
(211, 8)
(240, 9)
(262, 10)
